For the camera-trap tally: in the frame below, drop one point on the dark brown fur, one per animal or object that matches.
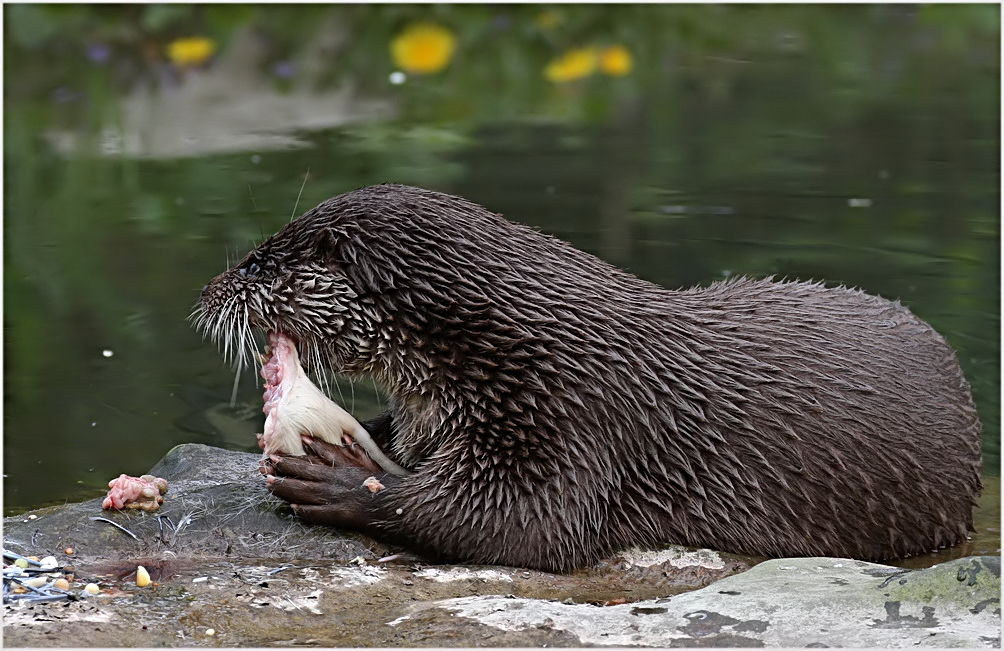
(556, 409)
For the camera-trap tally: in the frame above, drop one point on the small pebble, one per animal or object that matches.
(36, 582)
(210, 631)
(142, 576)
(68, 551)
(62, 584)
(48, 563)
(22, 563)
(92, 588)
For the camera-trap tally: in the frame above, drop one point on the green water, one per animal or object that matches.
(862, 149)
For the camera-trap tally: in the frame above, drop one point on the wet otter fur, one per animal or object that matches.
(555, 409)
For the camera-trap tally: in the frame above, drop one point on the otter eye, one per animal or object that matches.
(249, 270)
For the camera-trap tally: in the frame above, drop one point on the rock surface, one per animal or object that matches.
(229, 560)
(217, 504)
(804, 602)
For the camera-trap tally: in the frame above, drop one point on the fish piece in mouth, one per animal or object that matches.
(294, 406)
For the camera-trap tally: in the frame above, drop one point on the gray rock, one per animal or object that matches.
(803, 602)
(216, 505)
(228, 558)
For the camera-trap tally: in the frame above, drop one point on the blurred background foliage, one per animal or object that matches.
(853, 143)
(498, 69)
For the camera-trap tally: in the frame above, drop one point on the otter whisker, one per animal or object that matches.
(302, 185)
(248, 348)
(312, 355)
(233, 392)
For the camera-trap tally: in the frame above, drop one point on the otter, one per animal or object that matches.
(548, 409)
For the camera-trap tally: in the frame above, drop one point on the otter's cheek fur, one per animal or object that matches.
(555, 408)
(305, 301)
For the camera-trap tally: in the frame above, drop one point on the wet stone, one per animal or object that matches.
(224, 556)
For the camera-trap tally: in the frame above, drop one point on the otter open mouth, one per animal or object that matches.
(294, 406)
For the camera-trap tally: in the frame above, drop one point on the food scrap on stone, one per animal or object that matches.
(145, 493)
(373, 484)
(28, 578)
(142, 576)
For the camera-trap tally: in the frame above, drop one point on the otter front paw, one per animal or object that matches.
(334, 485)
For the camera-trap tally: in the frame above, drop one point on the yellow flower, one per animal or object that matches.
(548, 19)
(423, 48)
(616, 60)
(573, 64)
(190, 52)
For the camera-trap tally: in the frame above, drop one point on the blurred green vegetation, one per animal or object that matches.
(853, 143)
(859, 53)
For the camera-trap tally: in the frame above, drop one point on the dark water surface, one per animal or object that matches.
(104, 257)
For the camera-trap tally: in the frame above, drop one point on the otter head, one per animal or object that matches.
(353, 281)
(295, 283)
(430, 295)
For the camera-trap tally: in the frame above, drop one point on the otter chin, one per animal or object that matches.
(548, 409)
